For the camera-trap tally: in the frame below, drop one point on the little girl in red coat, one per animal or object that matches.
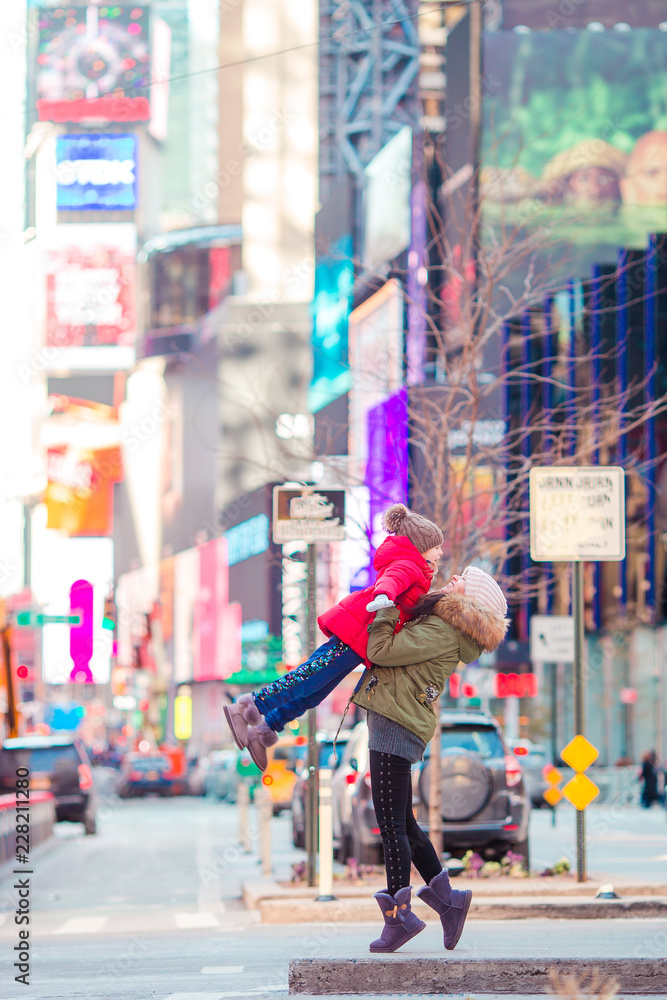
(405, 562)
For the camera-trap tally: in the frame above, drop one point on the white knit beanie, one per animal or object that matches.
(483, 588)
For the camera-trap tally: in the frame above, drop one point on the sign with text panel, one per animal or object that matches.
(308, 515)
(577, 514)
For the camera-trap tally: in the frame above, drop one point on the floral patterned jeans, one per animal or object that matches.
(307, 685)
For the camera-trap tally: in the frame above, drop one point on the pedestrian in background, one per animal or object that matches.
(406, 562)
(411, 667)
(648, 774)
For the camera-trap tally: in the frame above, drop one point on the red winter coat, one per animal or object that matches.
(403, 575)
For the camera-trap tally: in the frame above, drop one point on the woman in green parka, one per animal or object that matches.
(409, 672)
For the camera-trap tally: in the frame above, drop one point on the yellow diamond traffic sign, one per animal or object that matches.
(553, 795)
(552, 774)
(579, 753)
(580, 791)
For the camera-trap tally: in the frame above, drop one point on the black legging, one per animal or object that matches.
(403, 839)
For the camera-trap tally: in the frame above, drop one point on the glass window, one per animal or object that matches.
(39, 760)
(482, 740)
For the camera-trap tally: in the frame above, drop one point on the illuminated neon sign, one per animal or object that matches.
(96, 172)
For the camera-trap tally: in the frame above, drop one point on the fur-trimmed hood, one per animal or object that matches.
(485, 627)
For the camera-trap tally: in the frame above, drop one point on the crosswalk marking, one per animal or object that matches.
(82, 925)
(258, 991)
(194, 996)
(221, 970)
(188, 921)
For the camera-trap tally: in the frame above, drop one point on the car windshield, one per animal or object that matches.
(37, 759)
(483, 740)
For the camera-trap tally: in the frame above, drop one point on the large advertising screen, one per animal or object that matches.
(90, 286)
(83, 461)
(575, 139)
(96, 171)
(376, 364)
(334, 278)
(93, 62)
(388, 186)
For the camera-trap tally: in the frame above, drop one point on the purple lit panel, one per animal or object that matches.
(415, 346)
(387, 468)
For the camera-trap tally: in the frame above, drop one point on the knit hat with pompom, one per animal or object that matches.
(423, 534)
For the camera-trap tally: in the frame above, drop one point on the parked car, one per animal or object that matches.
(326, 758)
(102, 755)
(485, 805)
(222, 776)
(485, 802)
(280, 774)
(58, 764)
(533, 758)
(177, 773)
(355, 830)
(142, 773)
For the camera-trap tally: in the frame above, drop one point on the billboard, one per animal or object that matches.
(90, 286)
(388, 213)
(334, 278)
(387, 468)
(96, 171)
(79, 492)
(206, 627)
(83, 458)
(93, 62)
(376, 364)
(575, 139)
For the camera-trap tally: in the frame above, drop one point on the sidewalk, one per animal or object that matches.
(493, 899)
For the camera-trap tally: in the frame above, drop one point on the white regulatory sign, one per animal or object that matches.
(552, 639)
(308, 515)
(577, 514)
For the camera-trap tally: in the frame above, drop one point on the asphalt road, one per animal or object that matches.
(150, 907)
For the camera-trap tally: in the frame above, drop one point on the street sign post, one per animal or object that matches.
(34, 619)
(313, 516)
(577, 515)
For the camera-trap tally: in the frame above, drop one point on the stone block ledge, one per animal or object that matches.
(395, 975)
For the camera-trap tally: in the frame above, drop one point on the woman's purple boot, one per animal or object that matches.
(240, 715)
(451, 905)
(400, 923)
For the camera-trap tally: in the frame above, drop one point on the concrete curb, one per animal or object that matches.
(318, 977)
(302, 911)
(256, 891)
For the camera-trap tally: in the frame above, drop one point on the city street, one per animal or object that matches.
(333, 369)
(150, 906)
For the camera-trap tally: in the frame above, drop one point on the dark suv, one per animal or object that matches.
(485, 806)
(57, 764)
(485, 803)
